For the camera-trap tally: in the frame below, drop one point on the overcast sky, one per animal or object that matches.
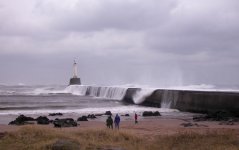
(115, 42)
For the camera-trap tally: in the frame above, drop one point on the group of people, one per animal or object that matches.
(109, 121)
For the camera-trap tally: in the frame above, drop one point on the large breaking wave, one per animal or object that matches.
(117, 93)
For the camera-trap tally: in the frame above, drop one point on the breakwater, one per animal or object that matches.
(183, 100)
(191, 101)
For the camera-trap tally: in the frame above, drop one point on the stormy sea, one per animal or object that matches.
(76, 100)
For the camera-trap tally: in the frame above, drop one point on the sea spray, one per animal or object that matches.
(76, 89)
(199, 87)
(169, 98)
(141, 95)
(107, 92)
(116, 93)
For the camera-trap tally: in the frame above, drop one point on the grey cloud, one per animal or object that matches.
(156, 42)
(206, 34)
(107, 14)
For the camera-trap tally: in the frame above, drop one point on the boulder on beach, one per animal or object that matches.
(126, 115)
(229, 122)
(66, 122)
(108, 113)
(91, 116)
(220, 115)
(83, 118)
(214, 116)
(99, 114)
(156, 113)
(189, 124)
(42, 120)
(55, 114)
(150, 113)
(21, 120)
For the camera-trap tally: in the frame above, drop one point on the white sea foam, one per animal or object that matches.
(169, 98)
(141, 94)
(91, 110)
(117, 93)
(201, 87)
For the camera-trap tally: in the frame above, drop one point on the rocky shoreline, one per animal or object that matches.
(68, 122)
(221, 117)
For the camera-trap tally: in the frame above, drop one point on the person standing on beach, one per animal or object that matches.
(109, 122)
(136, 118)
(117, 121)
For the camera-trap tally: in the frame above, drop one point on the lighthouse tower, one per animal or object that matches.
(75, 80)
(74, 70)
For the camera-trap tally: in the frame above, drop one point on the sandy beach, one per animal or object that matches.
(147, 126)
(150, 133)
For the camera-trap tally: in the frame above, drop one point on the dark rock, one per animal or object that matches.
(214, 116)
(83, 118)
(150, 113)
(99, 114)
(200, 118)
(189, 124)
(21, 120)
(64, 144)
(226, 123)
(55, 114)
(24, 118)
(108, 113)
(42, 120)
(156, 113)
(126, 115)
(66, 122)
(235, 119)
(220, 115)
(147, 113)
(229, 122)
(91, 116)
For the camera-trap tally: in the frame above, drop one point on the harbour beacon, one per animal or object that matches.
(75, 80)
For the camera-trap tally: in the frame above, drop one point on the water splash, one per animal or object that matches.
(169, 98)
(116, 93)
(141, 95)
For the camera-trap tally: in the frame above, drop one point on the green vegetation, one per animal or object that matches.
(38, 137)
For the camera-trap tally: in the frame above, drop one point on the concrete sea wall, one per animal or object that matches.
(191, 101)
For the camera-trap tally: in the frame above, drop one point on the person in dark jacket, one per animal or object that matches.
(136, 118)
(117, 121)
(109, 122)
